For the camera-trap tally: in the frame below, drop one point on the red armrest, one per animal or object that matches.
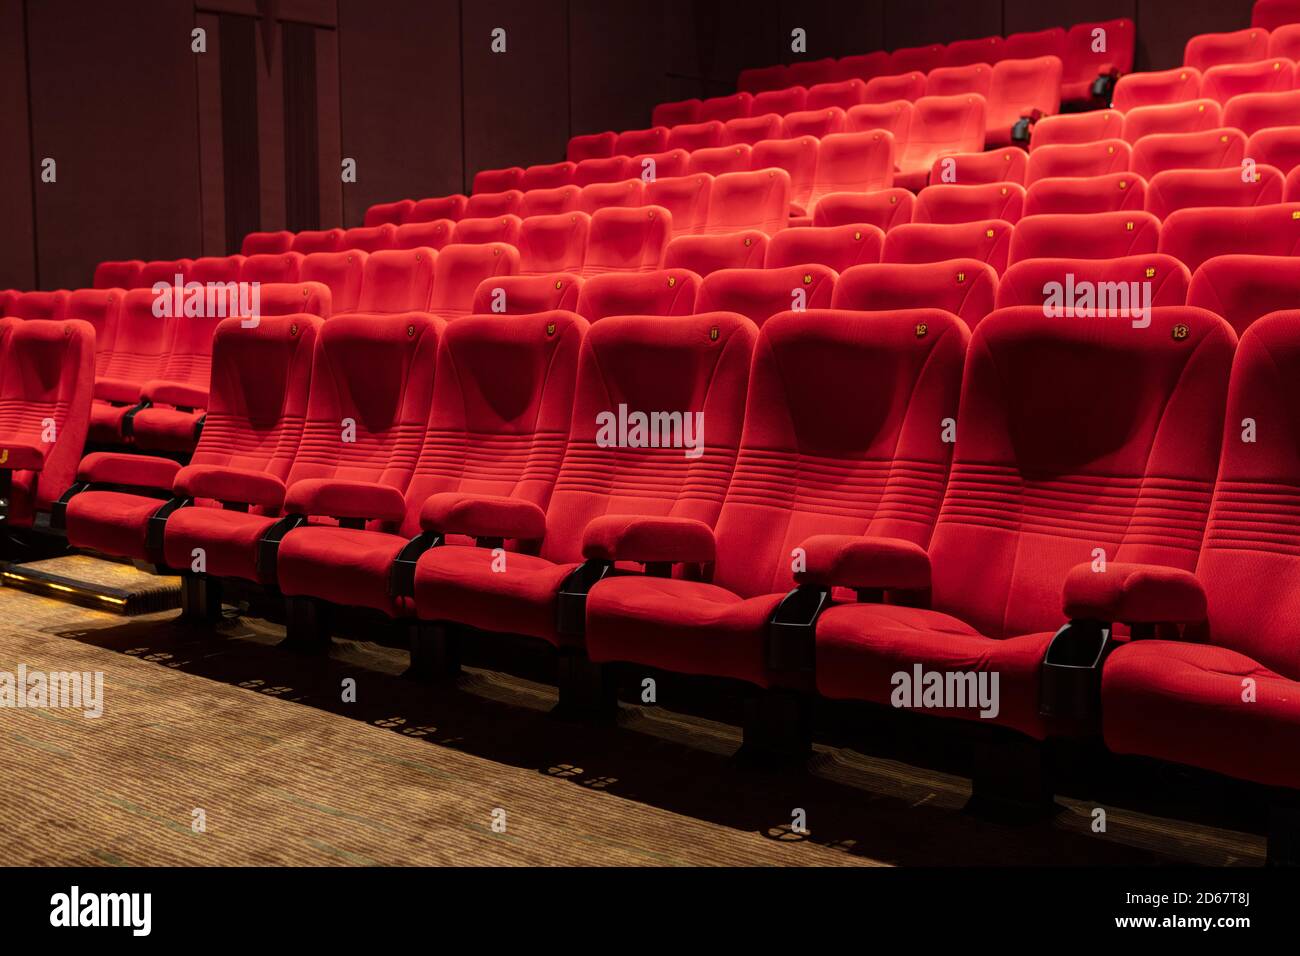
(483, 516)
(143, 471)
(335, 498)
(856, 562)
(240, 485)
(647, 540)
(117, 390)
(19, 456)
(1134, 594)
(175, 393)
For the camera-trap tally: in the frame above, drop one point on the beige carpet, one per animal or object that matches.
(285, 772)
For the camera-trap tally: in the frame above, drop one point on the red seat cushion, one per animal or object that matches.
(349, 565)
(112, 522)
(228, 539)
(165, 429)
(860, 647)
(687, 627)
(1184, 703)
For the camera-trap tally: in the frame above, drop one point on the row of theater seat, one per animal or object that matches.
(864, 494)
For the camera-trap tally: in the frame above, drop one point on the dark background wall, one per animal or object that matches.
(162, 152)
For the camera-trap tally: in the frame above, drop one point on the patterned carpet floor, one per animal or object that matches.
(259, 744)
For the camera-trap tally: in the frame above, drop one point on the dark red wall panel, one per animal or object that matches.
(17, 245)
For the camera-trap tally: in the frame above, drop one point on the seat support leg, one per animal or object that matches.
(1284, 832)
(587, 690)
(200, 599)
(1012, 776)
(307, 625)
(777, 728)
(435, 651)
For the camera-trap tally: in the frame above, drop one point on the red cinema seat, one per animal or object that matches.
(1083, 195)
(724, 108)
(527, 295)
(490, 205)
(1193, 116)
(987, 50)
(955, 80)
(311, 241)
(663, 292)
(798, 157)
(814, 123)
(685, 197)
(845, 94)
(1194, 235)
(1276, 146)
(47, 376)
(651, 166)
(1124, 286)
(835, 401)
(283, 267)
(267, 243)
(752, 129)
(864, 66)
(792, 99)
(1222, 83)
(772, 103)
(627, 240)
(291, 298)
(761, 79)
(903, 86)
(373, 239)
(497, 229)
(1242, 289)
(755, 200)
(597, 196)
(1027, 454)
(549, 202)
(36, 305)
(609, 169)
(676, 112)
(139, 348)
(440, 207)
(915, 59)
(550, 244)
(1208, 50)
(398, 280)
(637, 142)
(1184, 188)
(836, 247)
(163, 272)
(1078, 159)
(1284, 41)
(1006, 165)
(591, 146)
(1157, 88)
(759, 294)
(1072, 128)
(458, 271)
(498, 180)
(931, 242)
(98, 308)
(1209, 149)
(1274, 14)
(371, 382)
(1226, 696)
(388, 212)
(1050, 42)
(963, 287)
(721, 159)
(1094, 50)
(693, 136)
(954, 203)
(852, 163)
(812, 72)
(1021, 88)
(497, 424)
(1252, 112)
(118, 275)
(707, 254)
(884, 208)
(894, 117)
(701, 368)
(340, 272)
(433, 235)
(941, 125)
(257, 401)
(1103, 235)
